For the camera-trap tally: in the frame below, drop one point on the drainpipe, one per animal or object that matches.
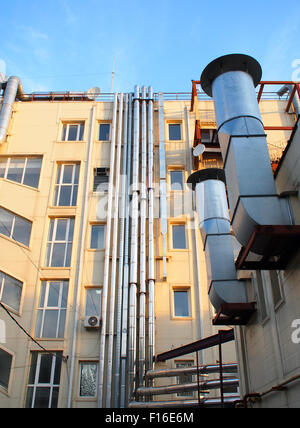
(253, 199)
(106, 258)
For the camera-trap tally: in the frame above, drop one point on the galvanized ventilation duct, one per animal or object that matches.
(214, 225)
(253, 199)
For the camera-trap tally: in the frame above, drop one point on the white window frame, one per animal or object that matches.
(51, 384)
(7, 167)
(52, 241)
(66, 126)
(60, 183)
(186, 290)
(2, 287)
(98, 310)
(11, 231)
(43, 308)
(81, 364)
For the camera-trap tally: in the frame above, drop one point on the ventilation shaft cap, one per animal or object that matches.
(205, 174)
(232, 62)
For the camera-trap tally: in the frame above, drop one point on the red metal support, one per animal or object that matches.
(291, 99)
(260, 92)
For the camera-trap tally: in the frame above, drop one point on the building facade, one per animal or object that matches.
(103, 268)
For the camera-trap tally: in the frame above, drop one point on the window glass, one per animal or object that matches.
(104, 129)
(15, 227)
(32, 172)
(88, 379)
(72, 132)
(97, 236)
(174, 131)
(15, 169)
(60, 239)
(66, 185)
(185, 378)
(93, 302)
(261, 296)
(5, 367)
(176, 180)
(276, 287)
(10, 291)
(178, 235)
(6, 222)
(181, 303)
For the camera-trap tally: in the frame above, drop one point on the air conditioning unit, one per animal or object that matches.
(92, 321)
(102, 171)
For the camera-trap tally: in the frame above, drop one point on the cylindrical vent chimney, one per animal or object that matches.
(252, 195)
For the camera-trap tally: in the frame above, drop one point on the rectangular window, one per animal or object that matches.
(10, 291)
(104, 131)
(276, 287)
(208, 135)
(181, 303)
(178, 237)
(101, 179)
(88, 379)
(5, 368)
(175, 131)
(52, 309)
(60, 240)
(73, 131)
(23, 170)
(97, 236)
(93, 302)
(176, 179)
(44, 380)
(185, 378)
(15, 227)
(261, 296)
(66, 186)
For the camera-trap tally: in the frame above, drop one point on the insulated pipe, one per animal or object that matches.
(151, 262)
(111, 326)
(9, 98)
(121, 259)
(205, 402)
(296, 101)
(143, 205)
(206, 369)
(106, 258)
(132, 346)
(163, 184)
(214, 225)
(253, 199)
(124, 338)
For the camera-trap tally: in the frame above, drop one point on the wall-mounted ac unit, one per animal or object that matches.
(92, 321)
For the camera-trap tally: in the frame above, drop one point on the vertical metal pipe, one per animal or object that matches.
(143, 203)
(106, 258)
(125, 308)
(8, 100)
(121, 259)
(111, 326)
(81, 242)
(163, 184)
(134, 245)
(151, 263)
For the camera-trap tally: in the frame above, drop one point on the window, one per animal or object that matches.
(181, 303)
(101, 179)
(261, 297)
(176, 180)
(175, 131)
(44, 380)
(10, 291)
(93, 302)
(208, 135)
(51, 316)
(23, 170)
(60, 239)
(104, 131)
(66, 186)
(276, 287)
(88, 379)
(73, 131)
(185, 378)
(97, 236)
(178, 237)
(15, 227)
(5, 367)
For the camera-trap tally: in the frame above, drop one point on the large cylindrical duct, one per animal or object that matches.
(8, 100)
(253, 199)
(214, 225)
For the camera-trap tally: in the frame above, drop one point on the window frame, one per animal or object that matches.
(51, 242)
(65, 130)
(176, 224)
(56, 356)
(93, 288)
(176, 169)
(43, 308)
(12, 229)
(104, 236)
(8, 160)
(278, 278)
(11, 368)
(262, 298)
(180, 289)
(2, 285)
(109, 133)
(178, 123)
(58, 185)
(87, 362)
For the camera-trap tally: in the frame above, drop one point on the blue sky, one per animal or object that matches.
(71, 44)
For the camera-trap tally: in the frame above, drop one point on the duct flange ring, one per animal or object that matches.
(206, 174)
(233, 62)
